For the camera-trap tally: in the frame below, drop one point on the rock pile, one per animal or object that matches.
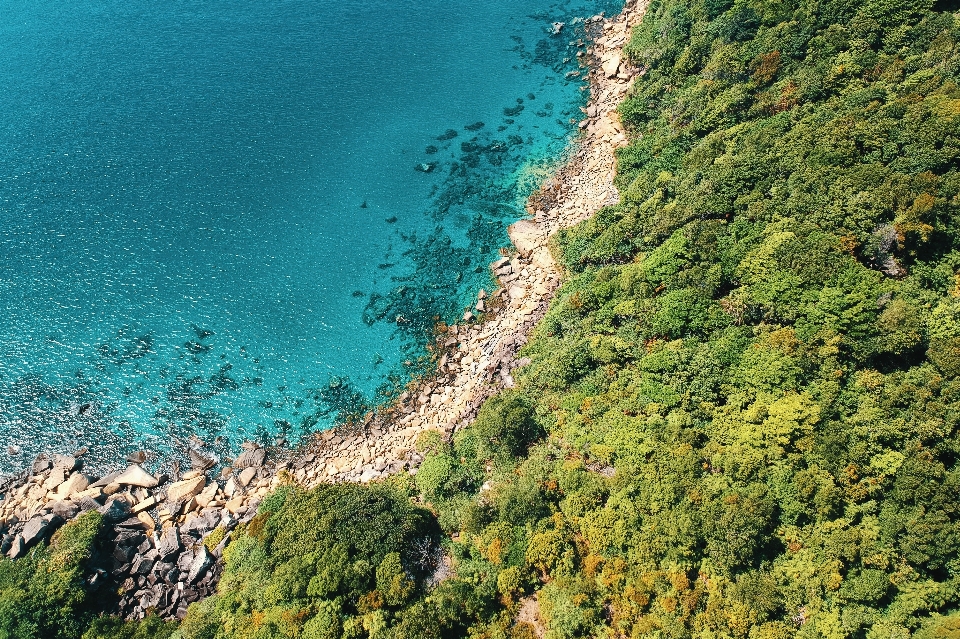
(163, 538)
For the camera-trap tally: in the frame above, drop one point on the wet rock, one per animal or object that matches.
(41, 464)
(200, 462)
(250, 458)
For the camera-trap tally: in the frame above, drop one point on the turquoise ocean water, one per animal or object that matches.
(212, 221)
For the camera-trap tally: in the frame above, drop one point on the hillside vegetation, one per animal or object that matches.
(750, 380)
(740, 419)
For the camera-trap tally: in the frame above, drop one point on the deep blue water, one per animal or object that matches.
(210, 217)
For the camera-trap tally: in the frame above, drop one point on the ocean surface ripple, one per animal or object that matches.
(237, 220)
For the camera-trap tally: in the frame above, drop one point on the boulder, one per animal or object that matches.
(87, 503)
(68, 463)
(525, 235)
(132, 522)
(40, 464)
(169, 543)
(207, 495)
(76, 483)
(201, 562)
(106, 479)
(186, 489)
(146, 520)
(65, 509)
(135, 475)
(141, 565)
(54, 479)
(234, 505)
(144, 505)
(116, 509)
(611, 64)
(17, 548)
(249, 458)
(246, 476)
(37, 528)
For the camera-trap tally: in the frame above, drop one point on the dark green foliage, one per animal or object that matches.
(331, 562)
(150, 627)
(44, 595)
(505, 427)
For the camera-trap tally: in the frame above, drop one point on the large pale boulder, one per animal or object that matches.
(610, 64)
(526, 235)
(207, 495)
(247, 475)
(135, 475)
(186, 489)
(76, 483)
(253, 457)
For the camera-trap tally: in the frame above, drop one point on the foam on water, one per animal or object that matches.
(211, 217)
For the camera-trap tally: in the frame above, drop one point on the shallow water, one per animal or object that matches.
(211, 217)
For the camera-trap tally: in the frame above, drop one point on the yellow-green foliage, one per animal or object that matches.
(750, 378)
(215, 537)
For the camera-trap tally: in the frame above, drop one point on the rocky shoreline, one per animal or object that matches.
(166, 534)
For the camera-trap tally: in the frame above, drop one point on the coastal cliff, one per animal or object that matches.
(733, 411)
(160, 527)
